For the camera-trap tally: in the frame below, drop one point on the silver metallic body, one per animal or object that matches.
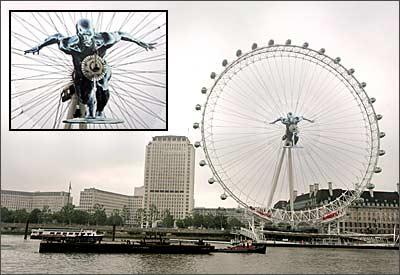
(89, 44)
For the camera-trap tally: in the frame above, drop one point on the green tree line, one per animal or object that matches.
(97, 216)
(209, 221)
(67, 215)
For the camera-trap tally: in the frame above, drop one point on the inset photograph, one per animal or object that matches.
(88, 70)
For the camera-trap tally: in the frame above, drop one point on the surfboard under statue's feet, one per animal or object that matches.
(294, 147)
(84, 120)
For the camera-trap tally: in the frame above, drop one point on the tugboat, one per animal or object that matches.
(244, 247)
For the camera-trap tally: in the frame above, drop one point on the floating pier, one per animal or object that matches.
(351, 246)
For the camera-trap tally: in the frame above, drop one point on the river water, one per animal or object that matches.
(22, 256)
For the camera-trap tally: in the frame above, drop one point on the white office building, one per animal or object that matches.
(15, 200)
(169, 175)
(90, 197)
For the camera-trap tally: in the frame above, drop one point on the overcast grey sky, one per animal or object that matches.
(201, 34)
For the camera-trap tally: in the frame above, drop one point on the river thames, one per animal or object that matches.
(22, 256)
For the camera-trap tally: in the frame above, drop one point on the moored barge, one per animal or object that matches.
(115, 247)
(89, 241)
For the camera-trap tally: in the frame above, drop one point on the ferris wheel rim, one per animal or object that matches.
(346, 198)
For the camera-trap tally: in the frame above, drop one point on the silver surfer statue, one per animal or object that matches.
(91, 73)
(291, 136)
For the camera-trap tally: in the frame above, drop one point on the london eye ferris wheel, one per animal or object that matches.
(282, 117)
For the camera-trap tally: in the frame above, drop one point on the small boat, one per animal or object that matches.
(66, 235)
(244, 248)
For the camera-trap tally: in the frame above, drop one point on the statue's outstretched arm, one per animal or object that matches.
(48, 41)
(276, 120)
(309, 120)
(127, 37)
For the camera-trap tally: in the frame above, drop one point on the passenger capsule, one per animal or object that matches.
(379, 116)
(224, 62)
(196, 125)
(223, 196)
(372, 100)
(351, 71)
(359, 200)
(337, 60)
(254, 46)
(382, 134)
(378, 170)
(238, 53)
(204, 90)
(382, 152)
(198, 107)
(363, 85)
(305, 45)
(322, 51)
(197, 144)
(202, 163)
(271, 42)
(213, 75)
(211, 180)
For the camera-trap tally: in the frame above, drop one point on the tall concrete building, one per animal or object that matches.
(15, 200)
(169, 176)
(89, 197)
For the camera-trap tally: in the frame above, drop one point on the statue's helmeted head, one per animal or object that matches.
(85, 32)
(289, 115)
